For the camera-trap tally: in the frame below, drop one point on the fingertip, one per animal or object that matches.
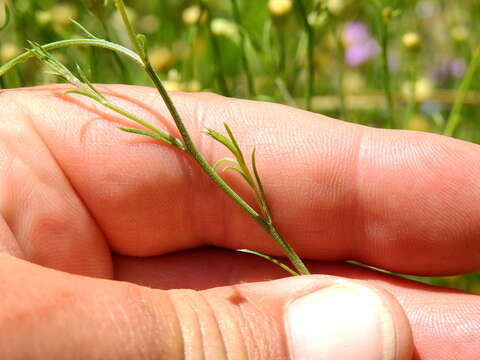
(348, 320)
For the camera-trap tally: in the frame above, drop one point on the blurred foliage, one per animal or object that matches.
(347, 63)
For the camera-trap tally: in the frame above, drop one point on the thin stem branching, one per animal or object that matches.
(265, 219)
(83, 87)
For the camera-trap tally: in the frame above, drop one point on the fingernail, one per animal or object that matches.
(343, 321)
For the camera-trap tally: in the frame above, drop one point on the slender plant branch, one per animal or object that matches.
(412, 101)
(219, 73)
(340, 59)
(243, 46)
(108, 36)
(302, 11)
(72, 42)
(87, 89)
(189, 69)
(139, 44)
(384, 18)
(141, 57)
(454, 118)
(387, 84)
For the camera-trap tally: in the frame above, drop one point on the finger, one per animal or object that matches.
(441, 319)
(298, 318)
(400, 200)
(41, 217)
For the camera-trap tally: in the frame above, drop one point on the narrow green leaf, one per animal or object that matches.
(142, 45)
(235, 144)
(271, 259)
(85, 79)
(56, 66)
(222, 139)
(6, 21)
(263, 199)
(147, 133)
(83, 93)
(83, 29)
(248, 36)
(233, 168)
(72, 42)
(222, 161)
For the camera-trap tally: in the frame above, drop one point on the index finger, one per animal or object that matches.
(399, 200)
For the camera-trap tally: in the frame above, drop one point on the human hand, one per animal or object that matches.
(82, 197)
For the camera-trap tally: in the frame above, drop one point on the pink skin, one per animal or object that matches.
(79, 189)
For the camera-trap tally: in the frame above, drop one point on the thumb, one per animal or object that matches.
(49, 314)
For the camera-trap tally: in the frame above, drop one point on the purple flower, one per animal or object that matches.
(357, 54)
(446, 68)
(360, 46)
(458, 67)
(355, 32)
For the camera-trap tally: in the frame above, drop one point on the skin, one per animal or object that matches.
(83, 204)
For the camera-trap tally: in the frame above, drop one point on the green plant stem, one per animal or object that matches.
(340, 59)
(191, 149)
(282, 51)
(215, 46)
(174, 141)
(6, 20)
(212, 174)
(412, 98)
(282, 87)
(310, 48)
(189, 70)
(243, 46)
(454, 118)
(121, 65)
(387, 84)
(73, 42)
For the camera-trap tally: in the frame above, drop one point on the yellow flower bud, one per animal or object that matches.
(148, 24)
(411, 41)
(191, 15)
(279, 8)
(8, 51)
(161, 58)
(423, 89)
(173, 75)
(387, 13)
(224, 27)
(354, 82)
(418, 123)
(194, 86)
(460, 33)
(172, 85)
(62, 13)
(43, 17)
(336, 7)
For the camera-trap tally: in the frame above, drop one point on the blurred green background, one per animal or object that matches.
(393, 64)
